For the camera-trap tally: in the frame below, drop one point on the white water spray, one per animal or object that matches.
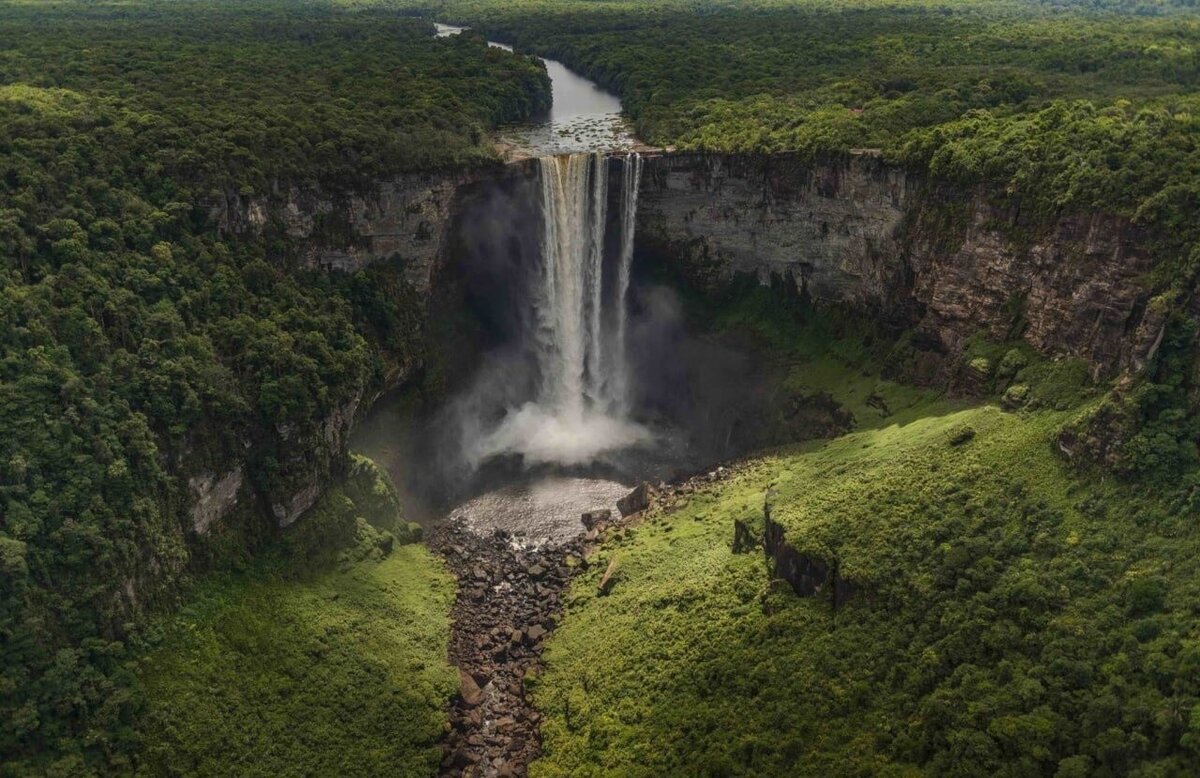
(582, 403)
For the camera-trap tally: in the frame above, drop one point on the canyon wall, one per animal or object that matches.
(855, 232)
(947, 262)
(410, 220)
(405, 218)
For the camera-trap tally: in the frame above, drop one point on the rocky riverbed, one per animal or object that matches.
(510, 598)
(510, 594)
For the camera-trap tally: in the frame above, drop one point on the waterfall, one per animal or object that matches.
(581, 351)
(579, 313)
(630, 182)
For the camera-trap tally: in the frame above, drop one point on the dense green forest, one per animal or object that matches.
(1037, 617)
(324, 656)
(140, 344)
(1062, 105)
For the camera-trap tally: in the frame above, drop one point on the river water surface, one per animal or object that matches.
(583, 117)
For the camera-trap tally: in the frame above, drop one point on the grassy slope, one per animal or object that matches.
(344, 674)
(303, 668)
(1017, 620)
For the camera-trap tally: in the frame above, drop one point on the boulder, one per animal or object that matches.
(470, 692)
(636, 501)
(593, 519)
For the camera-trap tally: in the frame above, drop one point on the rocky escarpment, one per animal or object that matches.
(405, 218)
(409, 221)
(912, 252)
(855, 231)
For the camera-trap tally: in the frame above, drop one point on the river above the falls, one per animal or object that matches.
(583, 116)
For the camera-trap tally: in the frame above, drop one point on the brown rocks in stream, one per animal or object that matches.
(509, 600)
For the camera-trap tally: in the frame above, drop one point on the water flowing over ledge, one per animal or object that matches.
(577, 331)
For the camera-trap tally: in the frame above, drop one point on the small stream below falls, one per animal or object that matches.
(544, 431)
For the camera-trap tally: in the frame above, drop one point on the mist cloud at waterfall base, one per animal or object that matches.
(542, 436)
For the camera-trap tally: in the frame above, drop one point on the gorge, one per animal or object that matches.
(377, 403)
(855, 233)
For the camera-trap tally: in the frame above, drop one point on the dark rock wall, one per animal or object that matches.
(881, 240)
(855, 232)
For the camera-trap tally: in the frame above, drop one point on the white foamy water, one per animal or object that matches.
(578, 340)
(630, 182)
(544, 436)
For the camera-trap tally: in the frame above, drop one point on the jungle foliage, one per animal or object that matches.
(142, 341)
(1009, 618)
(1010, 615)
(325, 656)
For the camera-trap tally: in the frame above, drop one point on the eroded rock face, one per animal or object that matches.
(1077, 289)
(214, 497)
(833, 229)
(908, 251)
(406, 218)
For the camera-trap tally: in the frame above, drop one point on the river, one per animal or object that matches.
(583, 116)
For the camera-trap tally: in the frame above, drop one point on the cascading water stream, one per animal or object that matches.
(630, 183)
(581, 408)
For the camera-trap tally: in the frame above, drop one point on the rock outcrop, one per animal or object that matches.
(405, 218)
(909, 251)
(809, 576)
(214, 496)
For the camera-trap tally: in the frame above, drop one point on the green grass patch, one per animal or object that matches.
(308, 664)
(1012, 619)
(343, 674)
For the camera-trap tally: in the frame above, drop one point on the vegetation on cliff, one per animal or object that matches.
(1060, 105)
(325, 657)
(142, 344)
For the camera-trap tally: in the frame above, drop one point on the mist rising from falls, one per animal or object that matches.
(579, 321)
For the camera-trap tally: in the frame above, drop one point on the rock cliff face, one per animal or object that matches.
(405, 218)
(915, 253)
(855, 232)
(408, 219)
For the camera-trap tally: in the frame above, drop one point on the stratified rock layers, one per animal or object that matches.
(913, 252)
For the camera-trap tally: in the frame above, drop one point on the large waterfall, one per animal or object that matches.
(579, 317)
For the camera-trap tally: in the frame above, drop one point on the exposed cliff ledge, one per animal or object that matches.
(808, 575)
(405, 218)
(914, 252)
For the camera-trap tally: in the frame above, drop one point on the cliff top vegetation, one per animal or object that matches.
(1059, 105)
